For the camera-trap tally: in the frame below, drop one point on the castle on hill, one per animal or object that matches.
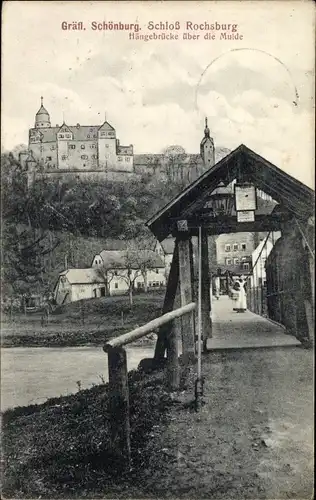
(94, 151)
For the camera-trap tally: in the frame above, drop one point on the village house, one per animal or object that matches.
(165, 250)
(121, 267)
(259, 257)
(78, 284)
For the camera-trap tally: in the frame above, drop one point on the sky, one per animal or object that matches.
(258, 91)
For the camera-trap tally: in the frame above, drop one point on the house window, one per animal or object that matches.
(119, 158)
(115, 285)
(61, 136)
(106, 145)
(115, 273)
(227, 248)
(93, 146)
(110, 134)
(83, 146)
(243, 246)
(52, 148)
(48, 158)
(128, 158)
(102, 134)
(245, 266)
(228, 262)
(72, 146)
(94, 157)
(64, 157)
(235, 247)
(243, 259)
(157, 271)
(88, 136)
(84, 157)
(95, 135)
(236, 261)
(68, 136)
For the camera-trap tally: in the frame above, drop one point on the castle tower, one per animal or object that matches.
(207, 149)
(42, 119)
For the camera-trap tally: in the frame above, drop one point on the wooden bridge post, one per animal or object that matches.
(206, 299)
(172, 371)
(119, 404)
(171, 290)
(186, 296)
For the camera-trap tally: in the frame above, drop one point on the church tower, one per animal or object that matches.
(42, 119)
(207, 149)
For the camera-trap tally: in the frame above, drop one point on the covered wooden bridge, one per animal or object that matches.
(225, 200)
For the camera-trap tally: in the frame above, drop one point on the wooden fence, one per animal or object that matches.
(118, 375)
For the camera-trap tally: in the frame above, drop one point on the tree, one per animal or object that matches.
(130, 265)
(24, 250)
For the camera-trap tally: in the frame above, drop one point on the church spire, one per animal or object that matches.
(206, 130)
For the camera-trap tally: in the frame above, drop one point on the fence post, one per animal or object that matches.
(119, 403)
(173, 374)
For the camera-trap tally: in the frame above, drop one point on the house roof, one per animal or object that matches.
(42, 111)
(119, 259)
(82, 276)
(290, 193)
(168, 245)
(80, 132)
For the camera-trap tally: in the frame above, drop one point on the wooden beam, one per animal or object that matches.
(230, 225)
(186, 296)
(206, 299)
(141, 331)
(172, 371)
(171, 291)
(120, 432)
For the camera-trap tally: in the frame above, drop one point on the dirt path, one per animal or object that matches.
(253, 438)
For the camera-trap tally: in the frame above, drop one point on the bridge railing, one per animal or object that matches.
(119, 408)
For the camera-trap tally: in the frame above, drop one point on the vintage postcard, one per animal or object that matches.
(158, 254)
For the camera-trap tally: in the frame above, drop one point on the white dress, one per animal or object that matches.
(241, 304)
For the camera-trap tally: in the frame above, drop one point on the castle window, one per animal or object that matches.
(84, 157)
(128, 158)
(83, 146)
(94, 157)
(72, 146)
(48, 158)
(119, 158)
(93, 146)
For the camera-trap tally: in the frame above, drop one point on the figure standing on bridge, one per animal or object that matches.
(240, 287)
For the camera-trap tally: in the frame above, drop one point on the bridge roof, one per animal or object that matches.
(245, 164)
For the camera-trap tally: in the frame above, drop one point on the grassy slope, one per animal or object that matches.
(60, 449)
(102, 320)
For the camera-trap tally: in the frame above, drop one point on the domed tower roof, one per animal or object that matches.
(42, 118)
